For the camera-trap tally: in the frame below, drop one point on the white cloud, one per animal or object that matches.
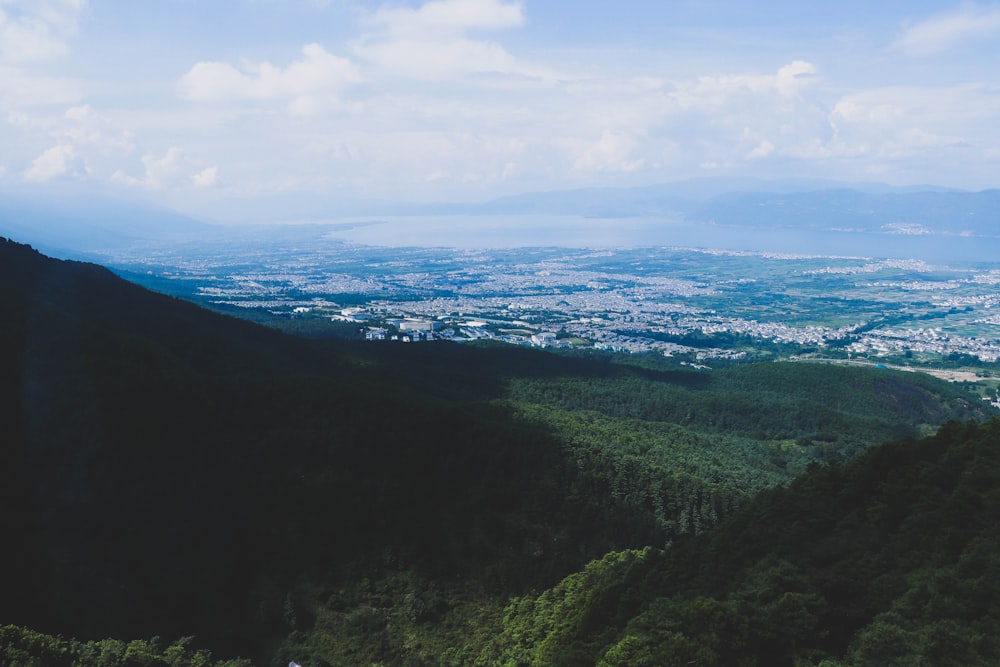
(906, 127)
(450, 17)
(761, 150)
(89, 129)
(945, 31)
(431, 42)
(83, 135)
(412, 141)
(306, 85)
(613, 152)
(78, 142)
(206, 178)
(32, 34)
(37, 30)
(60, 161)
(172, 170)
(409, 162)
(436, 59)
(19, 90)
(433, 96)
(85, 143)
(793, 77)
(718, 121)
(710, 93)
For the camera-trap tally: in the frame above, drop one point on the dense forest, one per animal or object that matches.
(889, 560)
(171, 472)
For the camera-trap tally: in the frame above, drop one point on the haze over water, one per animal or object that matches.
(580, 232)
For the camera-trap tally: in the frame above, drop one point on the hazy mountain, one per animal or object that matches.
(894, 212)
(79, 225)
(685, 197)
(75, 224)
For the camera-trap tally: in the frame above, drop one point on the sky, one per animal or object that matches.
(275, 109)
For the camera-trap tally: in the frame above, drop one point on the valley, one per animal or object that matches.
(328, 500)
(698, 304)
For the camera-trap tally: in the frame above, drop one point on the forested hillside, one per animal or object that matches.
(171, 472)
(890, 560)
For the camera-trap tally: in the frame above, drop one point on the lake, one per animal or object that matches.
(514, 231)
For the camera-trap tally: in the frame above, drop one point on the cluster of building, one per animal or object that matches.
(932, 341)
(642, 300)
(640, 331)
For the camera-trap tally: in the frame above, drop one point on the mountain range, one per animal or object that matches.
(77, 224)
(800, 204)
(172, 472)
(85, 226)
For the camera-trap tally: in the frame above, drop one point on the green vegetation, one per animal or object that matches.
(167, 471)
(889, 560)
(25, 648)
(771, 401)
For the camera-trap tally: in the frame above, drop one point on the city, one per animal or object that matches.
(708, 304)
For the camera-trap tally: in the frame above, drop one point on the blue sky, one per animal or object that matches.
(240, 109)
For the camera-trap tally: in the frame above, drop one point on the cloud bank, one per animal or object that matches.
(950, 30)
(304, 84)
(465, 99)
(37, 30)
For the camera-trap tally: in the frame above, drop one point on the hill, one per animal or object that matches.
(173, 472)
(167, 471)
(890, 560)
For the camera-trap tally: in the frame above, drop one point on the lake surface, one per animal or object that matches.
(578, 232)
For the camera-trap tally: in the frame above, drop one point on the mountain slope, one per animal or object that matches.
(169, 471)
(174, 472)
(891, 560)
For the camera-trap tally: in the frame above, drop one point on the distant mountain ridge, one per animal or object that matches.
(662, 198)
(94, 226)
(85, 225)
(922, 212)
(758, 203)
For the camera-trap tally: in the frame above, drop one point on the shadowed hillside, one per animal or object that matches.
(167, 471)
(174, 472)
